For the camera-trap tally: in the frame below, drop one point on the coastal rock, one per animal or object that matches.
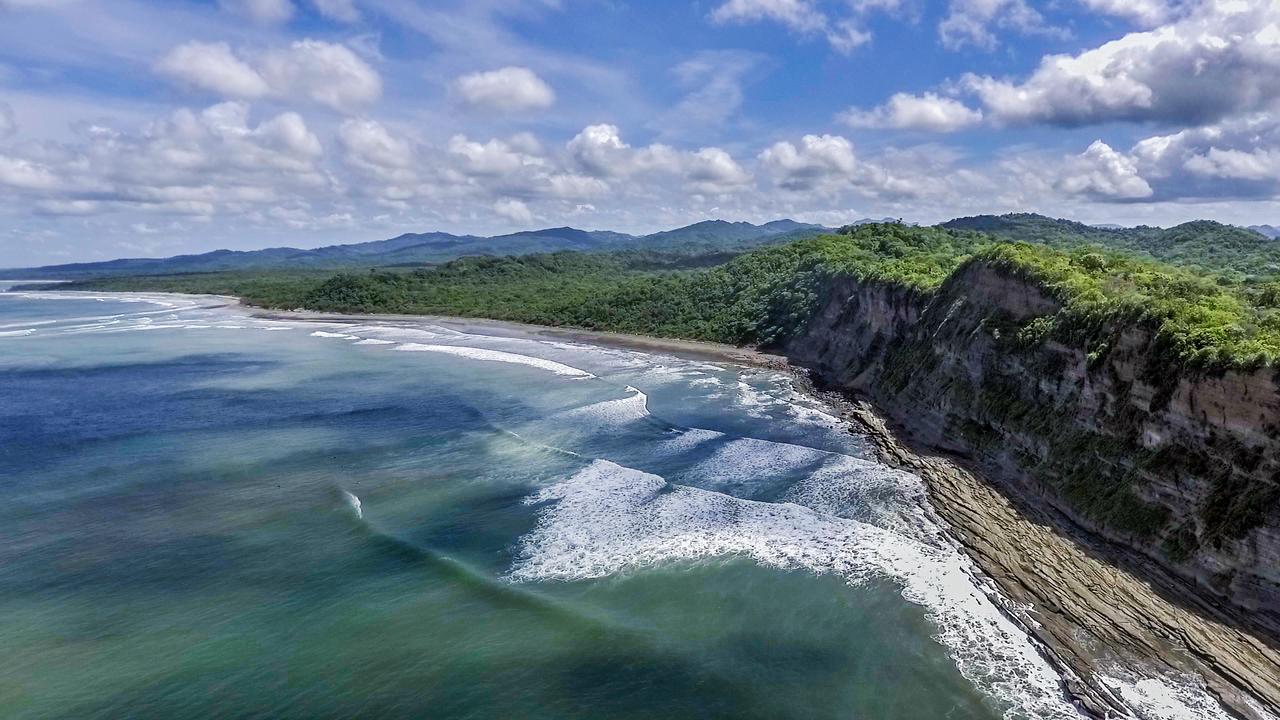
(1169, 473)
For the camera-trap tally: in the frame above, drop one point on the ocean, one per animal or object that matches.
(211, 514)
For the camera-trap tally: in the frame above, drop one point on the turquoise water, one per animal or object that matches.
(211, 515)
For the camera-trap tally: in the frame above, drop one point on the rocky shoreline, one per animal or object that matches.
(1092, 619)
(1097, 612)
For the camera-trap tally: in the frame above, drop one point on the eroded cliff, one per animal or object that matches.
(1181, 466)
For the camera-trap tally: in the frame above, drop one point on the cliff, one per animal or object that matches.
(1181, 466)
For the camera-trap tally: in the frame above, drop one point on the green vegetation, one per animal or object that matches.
(765, 296)
(1234, 255)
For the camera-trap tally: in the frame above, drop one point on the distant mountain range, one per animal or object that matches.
(1250, 251)
(436, 247)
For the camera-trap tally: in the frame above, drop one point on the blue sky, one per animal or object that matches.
(132, 128)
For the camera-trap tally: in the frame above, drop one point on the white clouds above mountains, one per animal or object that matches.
(1101, 171)
(325, 73)
(393, 114)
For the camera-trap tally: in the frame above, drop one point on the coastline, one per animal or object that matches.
(1091, 618)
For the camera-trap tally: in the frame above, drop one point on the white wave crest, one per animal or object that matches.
(744, 464)
(354, 503)
(607, 518)
(375, 341)
(17, 333)
(499, 356)
(325, 334)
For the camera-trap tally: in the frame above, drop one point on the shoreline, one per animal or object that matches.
(1072, 594)
(687, 349)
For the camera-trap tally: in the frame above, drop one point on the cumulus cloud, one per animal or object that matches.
(1221, 60)
(508, 89)
(970, 22)
(213, 67)
(1103, 172)
(1236, 158)
(819, 161)
(514, 210)
(263, 11)
(186, 163)
(370, 147)
(928, 112)
(600, 151)
(325, 73)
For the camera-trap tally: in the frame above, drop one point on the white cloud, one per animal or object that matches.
(904, 111)
(1222, 60)
(322, 72)
(214, 67)
(713, 170)
(819, 160)
(514, 210)
(1148, 13)
(970, 22)
(26, 175)
(600, 151)
(340, 10)
(493, 158)
(263, 11)
(508, 88)
(804, 17)
(1103, 172)
(186, 163)
(370, 146)
(1236, 158)
(798, 15)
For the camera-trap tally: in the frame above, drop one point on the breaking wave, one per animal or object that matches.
(608, 518)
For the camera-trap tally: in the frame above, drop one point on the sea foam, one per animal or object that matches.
(607, 518)
(498, 356)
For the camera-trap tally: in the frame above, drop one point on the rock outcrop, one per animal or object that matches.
(1180, 466)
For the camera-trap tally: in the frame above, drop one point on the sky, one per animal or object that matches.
(132, 128)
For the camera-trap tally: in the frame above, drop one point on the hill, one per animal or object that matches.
(429, 248)
(1240, 254)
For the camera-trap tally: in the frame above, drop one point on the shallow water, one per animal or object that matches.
(212, 515)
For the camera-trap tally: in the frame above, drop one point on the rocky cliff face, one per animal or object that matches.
(1182, 467)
